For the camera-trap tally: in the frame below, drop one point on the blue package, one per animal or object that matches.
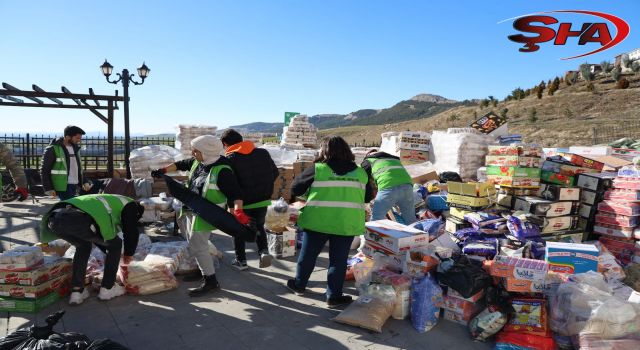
(487, 247)
(433, 227)
(466, 233)
(521, 230)
(426, 298)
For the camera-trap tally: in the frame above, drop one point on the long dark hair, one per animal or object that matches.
(334, 148)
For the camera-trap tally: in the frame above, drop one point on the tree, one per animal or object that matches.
(533, 115)
(503, 112)
(453, 117)
(635, 67)
(626, 62)
(494, 103)
(622, 83)
(606, 66)
(539, 92)
(542, 84)
(555, 85)
(585, 70)
(616, 73)
(484, 103)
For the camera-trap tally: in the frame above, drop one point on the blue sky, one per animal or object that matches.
(232, 62)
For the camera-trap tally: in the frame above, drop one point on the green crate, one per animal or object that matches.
(28, 305)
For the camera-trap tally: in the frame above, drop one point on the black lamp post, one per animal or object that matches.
(125, 78)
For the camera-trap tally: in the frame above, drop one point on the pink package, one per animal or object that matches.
(620, 207)
(620, 194)
(626, 183)
(617, 220)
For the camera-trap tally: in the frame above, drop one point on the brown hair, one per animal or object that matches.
(334, 148)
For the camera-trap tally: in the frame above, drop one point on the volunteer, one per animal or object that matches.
(394, 186)
(210, 176)
(256, 172)
(334, 212)
(16, 171)
(61, 165)
(95, 219)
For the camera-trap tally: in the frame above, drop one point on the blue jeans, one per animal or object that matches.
(71, 192)
(402, 196)
(312, 244)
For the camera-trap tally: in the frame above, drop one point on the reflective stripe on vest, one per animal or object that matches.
(210, 192)
(388, 173)
(59, 171)
(335, 203)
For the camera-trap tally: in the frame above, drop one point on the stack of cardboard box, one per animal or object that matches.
(393, 240)
(514, 167)
(413, 147)
(32, 285)
(282, 185)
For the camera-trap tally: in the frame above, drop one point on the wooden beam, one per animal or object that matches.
(98, 114)
(66, 91)
(38, 89)
(10, 87)
(11, 98)
(48, 105)
(60, 95)
(92, 94)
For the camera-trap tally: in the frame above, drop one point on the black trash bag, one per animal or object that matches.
(210, 212)
(450, 176)
(464, 275)
(44, 338)
(106, 344)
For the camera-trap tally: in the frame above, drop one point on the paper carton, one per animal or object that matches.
(619, 207)
(282, 245)
(473, 189)
(408, 156)
(617, 231)
(616, 194)
(396, 260)
(583, 161)
(467, 202)
(519, 268)
(587, 211)
(617, 220)
(513, 171)
(38, 291)
(394, 236)
(597, 182)
(555, 224)
(558, 193)
(590, 197)
(571, 258)
(52, 267)
(518, 161)
(591, 151)
(524, 286)
(565, 169)
(542, 207)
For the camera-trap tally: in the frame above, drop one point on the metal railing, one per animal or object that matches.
(29, 148)
(607, 133)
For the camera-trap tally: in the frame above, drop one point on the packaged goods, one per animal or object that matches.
(519, 268)
(21, 258)
(487, 247)
(521, 229)
(414, 140)
(591, 151)
(30, 305)
(545, 208)
(523, 341)
(597, 182)
(410, 156)
(627, 183)
(472, 189)
(590, 197)
(583, 161)
(282, 244)
(558, 193)
(618, 207)
(618, 194)
(571, 258)
(623, 250)
(467, 202)
(459, 150)
(617, 231)
(487, 323)
(587, 211)
(489, 123)
(454, 224)
(517, 161)
(394, 236)
(455, 317)
(144, 277)
(459, 213)
(523, 286)
(465, 276)
(462, 307)
(515, 150)
(38, 291)
(512, 171)
(608, 266)
(434, 227)
(52, 267)
(393, 260)
(145, 159)
(402, 286)
(277, 217)
(557, 178)
(529, 316)
(617, 220)
(426, 298)
(555, 224)
(505, 200)
(371, 310)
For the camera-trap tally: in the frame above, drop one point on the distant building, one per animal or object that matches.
(595, 68)
(634, 55)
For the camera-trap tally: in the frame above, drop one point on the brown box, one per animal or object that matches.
(52, 267)
(32, 292)
(422, 178)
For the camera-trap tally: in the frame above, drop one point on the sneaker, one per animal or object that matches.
(291, 285)
(239, 264)
(77, 298)
(265, 260)
(108, 294)
(334, 302)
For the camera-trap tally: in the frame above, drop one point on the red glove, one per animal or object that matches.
(241, 216)
(23, 192)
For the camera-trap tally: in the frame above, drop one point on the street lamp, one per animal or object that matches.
(125, 78)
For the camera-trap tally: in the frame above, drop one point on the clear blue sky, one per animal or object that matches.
(232, 62)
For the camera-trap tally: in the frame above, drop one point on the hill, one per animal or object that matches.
(572, 116)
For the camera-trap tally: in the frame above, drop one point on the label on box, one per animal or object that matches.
(519, 268)
(523, 286)
(513, 171)
(555, 224)
(557, 178)
(582, 161)
(558, 193)
(597, 182)
(51, 268)
(518, 161)
(622, 195)
(395, 236)
(587, 211)
(589, 197)
(488, 123)
(522, 182)
(467, 202)
(545, 208)
(571, 258)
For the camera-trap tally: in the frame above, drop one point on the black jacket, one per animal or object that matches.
(49, 158)
(366, 165)
(227, 182)
(256, 172)
(302, 182)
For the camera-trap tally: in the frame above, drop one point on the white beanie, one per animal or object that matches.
(210, 147)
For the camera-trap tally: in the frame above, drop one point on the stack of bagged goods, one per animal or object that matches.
(413, 147)
(30, 281)
(300, 133)
(145, 159)
(459, 150)
(186, 133)
(148, 277)
(157, 208)
(281, 239)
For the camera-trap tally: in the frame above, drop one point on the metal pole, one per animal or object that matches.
(110, 139)
(125, 85)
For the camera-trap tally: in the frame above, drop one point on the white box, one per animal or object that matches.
(282, 245)
(394, 236)
(591, 151)
(396, 260)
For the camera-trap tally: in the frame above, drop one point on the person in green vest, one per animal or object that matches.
(337, 190)
(61, 165)
(395, 187)
(16, 171)
(210, 176)
(95, 219)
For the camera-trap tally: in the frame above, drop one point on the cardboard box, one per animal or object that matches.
(627, 183)
(617, 231)
(623, 250)
(583, 161)
(396, 260)
(519, 268)
(38, 291)
(524, 286)
(575, 237)
(408, 156)
(458, 212)
(282, 245)
(542, 207)
(414, 140)
(503, 150)
(558, 193)
(474, 298)
(565, 169)
(618, 194)
(590, 197)
(591, 151)
(473, 189)
(28, 305)
(453, 224)
(425, 177)
(598, 182)
(488, 123)
(465, 308)
(625, 153)
(513, 171)
(557, 178)
(505, 200)
(571, 258)
(455, 317)
(516, 191)
(555, 224)
(517, 161)
(395, 237)
(467, 202)
(612, 163)
(521, 182)
(617, 220)
(587, 211)
(52, 268)
(619, 207)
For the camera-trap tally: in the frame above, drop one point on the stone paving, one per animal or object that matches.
(252, 311)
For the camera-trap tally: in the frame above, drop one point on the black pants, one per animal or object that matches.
(83, 240)
(258, 214)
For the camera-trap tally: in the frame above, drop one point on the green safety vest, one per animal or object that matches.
(105, 209)
(210, 192)
(388, 173)
(59, 171)
(335, 204)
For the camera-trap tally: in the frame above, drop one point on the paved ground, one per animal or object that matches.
(252, 311)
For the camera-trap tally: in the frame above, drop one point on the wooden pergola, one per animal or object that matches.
(9, 96)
